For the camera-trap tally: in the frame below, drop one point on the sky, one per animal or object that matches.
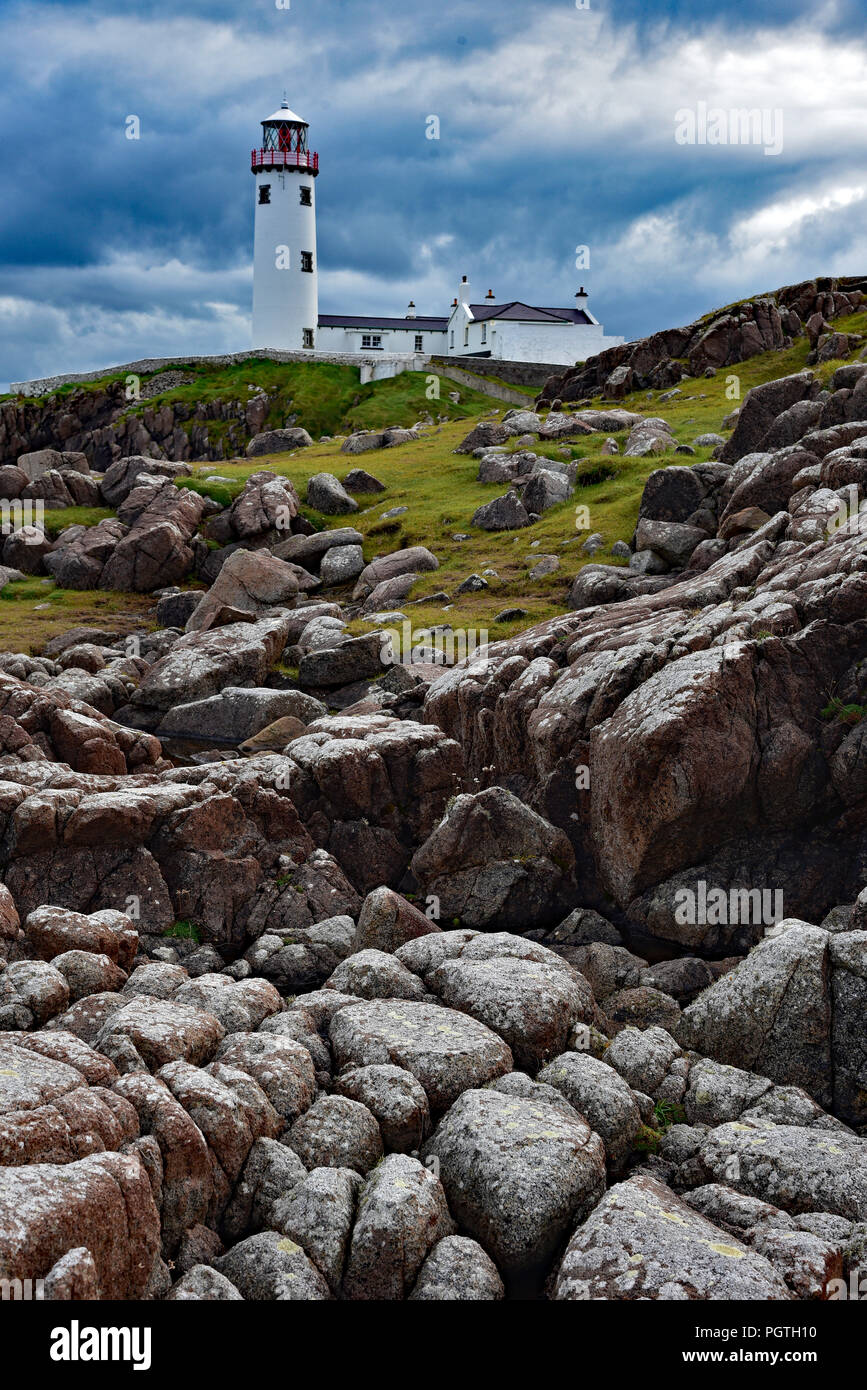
(562, 125)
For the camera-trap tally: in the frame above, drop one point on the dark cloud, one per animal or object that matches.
(556, 130)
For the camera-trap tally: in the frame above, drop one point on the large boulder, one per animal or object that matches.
(102, 1202)
(794, 1168)
(518, 1175)
(238, 713)
(772, 1013)
(447, 1052)
(278, 442)
(202, 664)
(760, 408)
(493, 862)
(643, 1242)
(402, 1213)
(157, 550)
(506, 513)
(121, 476)
(327, 494)
(249, 583)
(521, 990)
(416, 559)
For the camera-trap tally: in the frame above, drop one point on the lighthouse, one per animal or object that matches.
(285, 272)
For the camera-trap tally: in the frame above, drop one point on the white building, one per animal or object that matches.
(286, 284)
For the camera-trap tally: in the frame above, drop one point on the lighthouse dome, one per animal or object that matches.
(284, 114)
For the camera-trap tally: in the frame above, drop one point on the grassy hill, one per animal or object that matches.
(437, 486)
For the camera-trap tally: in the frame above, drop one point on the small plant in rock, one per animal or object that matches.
(646, 1140)
(183, 931)
(844, 713)
(667, 1113)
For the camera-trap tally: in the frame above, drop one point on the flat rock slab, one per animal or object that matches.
(447, 1052)
(643, 1242)
(795, 1168)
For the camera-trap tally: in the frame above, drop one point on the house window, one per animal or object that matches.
(419, 342)
(452, 338)
(467, 335)
(306, 197)
(264, 192)
(484, 332)
(307, 260)
(371, 340)
(307, 337)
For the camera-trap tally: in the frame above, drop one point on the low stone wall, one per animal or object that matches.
(495, 389)
(517, 373)
(375, 362)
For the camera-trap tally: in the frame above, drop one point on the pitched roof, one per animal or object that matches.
(418, 325)
(527, 313)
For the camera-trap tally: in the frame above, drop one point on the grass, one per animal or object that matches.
(57, 520)
(326, 398)
(34, 610)
(183, 931)
(440, 490)
(665, 1114)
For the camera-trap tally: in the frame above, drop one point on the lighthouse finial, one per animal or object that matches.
(285, 101)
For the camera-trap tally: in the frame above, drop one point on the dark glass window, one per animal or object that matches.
(306, 260)
(306, 197)
(264, 192)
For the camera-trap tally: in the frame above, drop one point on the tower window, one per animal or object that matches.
(306, 196)
(419, 342)
(307, 260)
(307, 337)
(264, 192)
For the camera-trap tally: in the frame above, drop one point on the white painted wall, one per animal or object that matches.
(285, 301)
(514, 341)
(393, 340)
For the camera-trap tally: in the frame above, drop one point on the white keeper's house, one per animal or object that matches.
(286, 284)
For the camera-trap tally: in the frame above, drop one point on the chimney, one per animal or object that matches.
(490, 295)
(410, 310)
(464, 291)
(581, 299)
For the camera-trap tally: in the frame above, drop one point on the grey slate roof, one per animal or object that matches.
(417, 325)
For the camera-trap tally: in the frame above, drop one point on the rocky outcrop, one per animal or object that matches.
(677, 737)
(717, 341)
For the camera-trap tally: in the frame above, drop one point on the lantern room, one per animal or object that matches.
(284, 143)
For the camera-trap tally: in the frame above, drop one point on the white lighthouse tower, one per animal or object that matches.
(285, 273)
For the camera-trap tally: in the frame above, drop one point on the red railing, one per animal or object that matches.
(281, 159)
